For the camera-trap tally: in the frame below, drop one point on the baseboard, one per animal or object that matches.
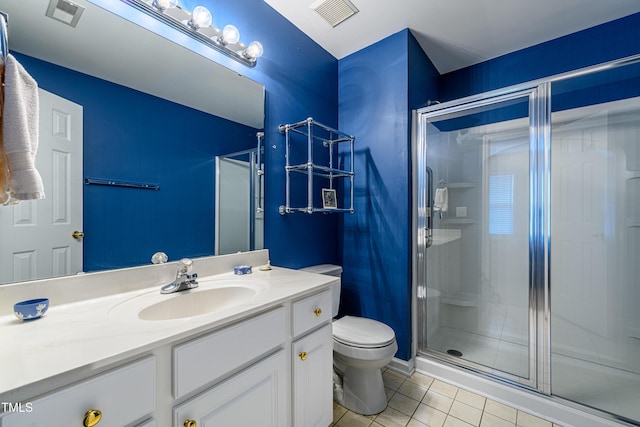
(406, 368)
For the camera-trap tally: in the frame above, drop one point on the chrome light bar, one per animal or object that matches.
(183, 21)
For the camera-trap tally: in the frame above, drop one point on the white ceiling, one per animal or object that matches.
(455, 33)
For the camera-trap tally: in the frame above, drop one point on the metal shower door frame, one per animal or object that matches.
(539, 98)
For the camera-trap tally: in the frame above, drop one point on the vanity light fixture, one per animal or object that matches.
(255, 50)
(230, 35)
(163, 5)
(200, 17)
(198, 25)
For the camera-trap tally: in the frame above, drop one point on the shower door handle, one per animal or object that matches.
(428, 237)
(428, 231)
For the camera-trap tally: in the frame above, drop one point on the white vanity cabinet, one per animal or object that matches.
(270, 387)
(268, 365)
(122, 396)
(312, 362)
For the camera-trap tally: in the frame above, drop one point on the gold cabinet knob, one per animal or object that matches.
(318, 312)
(92, 418)
(189, 423)
(77, 234)
(303, 355)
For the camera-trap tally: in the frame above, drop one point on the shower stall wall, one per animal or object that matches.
(528, 236)
(239, 199)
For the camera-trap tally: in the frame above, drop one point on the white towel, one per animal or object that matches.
(441, 200)
(20, 131)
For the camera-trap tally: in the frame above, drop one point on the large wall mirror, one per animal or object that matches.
(152, 117)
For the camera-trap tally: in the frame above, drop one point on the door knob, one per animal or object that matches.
(92, 418)
(77, 235)
(189, 423)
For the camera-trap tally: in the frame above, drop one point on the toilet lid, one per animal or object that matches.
(361, 332)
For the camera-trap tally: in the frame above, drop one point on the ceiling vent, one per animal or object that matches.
(65, 11)
(334, 11)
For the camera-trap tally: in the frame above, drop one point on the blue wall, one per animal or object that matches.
(374, 105)
(301, 80)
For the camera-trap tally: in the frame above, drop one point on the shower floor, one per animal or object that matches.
(602, 387)
(588, 382)
(492, 352)
(594, 370)
(494, 336)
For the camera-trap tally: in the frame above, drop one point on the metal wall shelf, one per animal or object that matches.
(320, 171)
(314, 133)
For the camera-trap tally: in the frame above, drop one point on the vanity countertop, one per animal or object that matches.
(91, 333)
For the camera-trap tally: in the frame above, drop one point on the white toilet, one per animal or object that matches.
(361, 347)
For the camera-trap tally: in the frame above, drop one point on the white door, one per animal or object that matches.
(37, 239)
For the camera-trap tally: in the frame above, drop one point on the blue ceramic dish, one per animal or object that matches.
(31, 309)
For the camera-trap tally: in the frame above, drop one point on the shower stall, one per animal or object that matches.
(239, 212)
(527, 237)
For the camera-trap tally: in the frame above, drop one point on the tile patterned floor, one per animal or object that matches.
(421, 401)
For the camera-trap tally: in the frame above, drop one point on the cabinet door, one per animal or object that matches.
(254, 397)
(123, 395)
(313, 379)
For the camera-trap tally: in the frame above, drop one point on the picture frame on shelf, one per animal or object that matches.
(329, 199)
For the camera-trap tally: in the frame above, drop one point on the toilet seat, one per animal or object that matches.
(362, 332)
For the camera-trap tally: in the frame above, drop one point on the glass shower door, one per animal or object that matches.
(595, 228)
(239, 200)
(476, 303)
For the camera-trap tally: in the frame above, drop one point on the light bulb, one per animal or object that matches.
(200, 17)
(255, 50)
(230, 35)
(163, 5)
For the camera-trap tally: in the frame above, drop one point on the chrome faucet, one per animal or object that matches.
(184, 278)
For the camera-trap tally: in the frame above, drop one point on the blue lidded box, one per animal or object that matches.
(242, 269)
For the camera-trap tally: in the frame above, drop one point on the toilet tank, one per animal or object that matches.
(329, 270)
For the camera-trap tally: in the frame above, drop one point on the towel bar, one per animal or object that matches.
(110, 182)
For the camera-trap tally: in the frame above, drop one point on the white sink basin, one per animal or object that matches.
(196, 303)
(210, 296)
